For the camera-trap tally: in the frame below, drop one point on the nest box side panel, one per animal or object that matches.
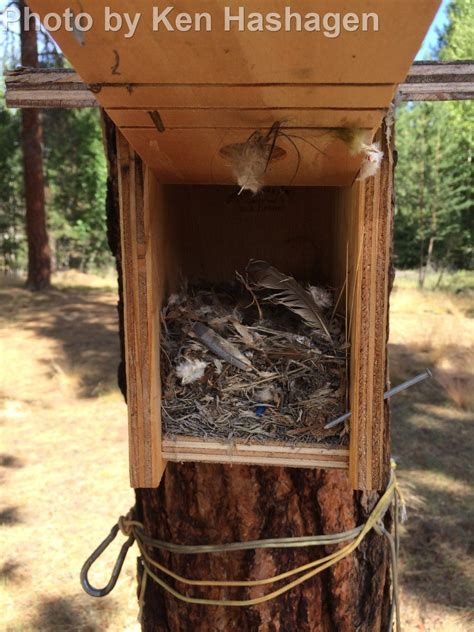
(369, 443)
(142, 301)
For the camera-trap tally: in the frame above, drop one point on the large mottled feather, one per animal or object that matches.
(289, 293)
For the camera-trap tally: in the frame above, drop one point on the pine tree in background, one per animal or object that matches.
(39, 256)
(434, 222)
(76, 174)
(457, 41)
(12, 220)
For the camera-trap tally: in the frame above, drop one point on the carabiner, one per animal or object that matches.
(102, 592)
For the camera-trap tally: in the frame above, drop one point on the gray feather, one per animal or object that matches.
(289, 293)
(221, 347)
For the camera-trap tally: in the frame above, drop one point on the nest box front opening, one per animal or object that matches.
(210, 233)
(188, 322)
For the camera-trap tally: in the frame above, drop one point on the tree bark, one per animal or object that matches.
(198, 503)
(39, 256)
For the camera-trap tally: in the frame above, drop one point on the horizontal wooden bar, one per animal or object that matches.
(439, 81)
(437, 92)
(45, 88)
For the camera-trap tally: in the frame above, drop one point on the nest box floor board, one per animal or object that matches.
(182, 449)
(307, 79)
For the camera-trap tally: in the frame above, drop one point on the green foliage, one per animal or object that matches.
(76, 173)
(12, 234)
(435, 184)
(457, 42)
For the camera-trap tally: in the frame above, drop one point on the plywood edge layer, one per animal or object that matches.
(140, 305)
(369, 331)
(190, 449)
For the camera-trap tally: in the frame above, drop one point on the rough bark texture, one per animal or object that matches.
(201, 504)
(39, 256)
(113, 234)
(198, 503)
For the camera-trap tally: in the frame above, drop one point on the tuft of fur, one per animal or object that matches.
(355, 139)
(372, 161)
(190, 371)
(249, 162)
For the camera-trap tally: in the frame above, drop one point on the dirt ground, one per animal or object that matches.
(63, 456)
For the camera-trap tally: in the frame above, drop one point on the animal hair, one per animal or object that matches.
(249, 162)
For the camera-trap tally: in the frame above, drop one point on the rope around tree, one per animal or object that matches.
(133, 530)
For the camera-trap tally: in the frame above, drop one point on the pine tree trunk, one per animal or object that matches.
(39, 257)
(200, 504)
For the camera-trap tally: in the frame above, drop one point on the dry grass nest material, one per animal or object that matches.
(261, 359)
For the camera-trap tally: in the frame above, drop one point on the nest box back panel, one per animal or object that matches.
(184, 83)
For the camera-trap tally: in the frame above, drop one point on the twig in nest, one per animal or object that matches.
(252, 294)
(221, 347)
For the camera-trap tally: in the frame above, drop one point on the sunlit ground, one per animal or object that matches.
(63, 454)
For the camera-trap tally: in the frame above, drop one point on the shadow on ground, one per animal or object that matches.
(10, 461)
(433, 444)
(10, 516)
(9, 571)
(62, 614)
(83, 321)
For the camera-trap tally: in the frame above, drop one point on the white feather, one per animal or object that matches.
(190, 371)
(373, 156)
(265, 395)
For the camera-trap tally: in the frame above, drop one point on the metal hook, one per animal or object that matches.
(102, 592)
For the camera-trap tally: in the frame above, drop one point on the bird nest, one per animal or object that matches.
(262, 359)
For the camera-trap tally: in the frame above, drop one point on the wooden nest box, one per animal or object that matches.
(180, 99)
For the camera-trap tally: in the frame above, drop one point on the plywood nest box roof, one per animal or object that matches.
(181, 96)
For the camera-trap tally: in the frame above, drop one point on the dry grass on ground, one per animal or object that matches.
(432, 429)
(63, 461)
(63, 456)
